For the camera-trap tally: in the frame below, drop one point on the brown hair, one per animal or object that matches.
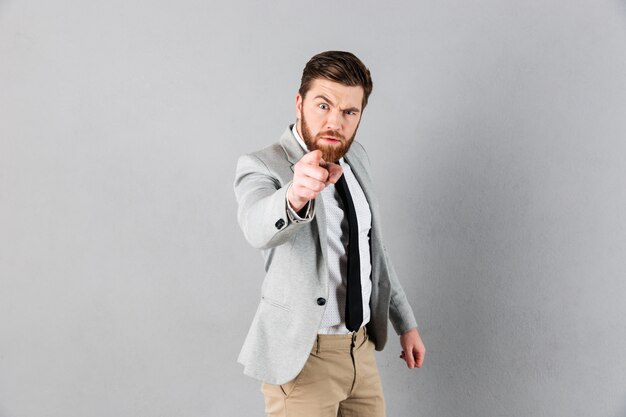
(338, 66)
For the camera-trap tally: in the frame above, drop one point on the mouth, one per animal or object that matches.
(330, 139)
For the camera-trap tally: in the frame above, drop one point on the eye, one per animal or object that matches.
(350, 112)
(323, 106)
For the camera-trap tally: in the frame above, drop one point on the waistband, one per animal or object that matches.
(340, 341)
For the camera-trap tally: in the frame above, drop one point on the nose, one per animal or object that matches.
(333, 122)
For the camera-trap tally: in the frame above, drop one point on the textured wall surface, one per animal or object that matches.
(497, 134)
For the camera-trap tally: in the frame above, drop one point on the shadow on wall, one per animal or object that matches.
(475, 208)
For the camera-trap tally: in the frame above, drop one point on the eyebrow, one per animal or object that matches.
(323, 97)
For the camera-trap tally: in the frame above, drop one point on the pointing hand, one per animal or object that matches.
(311, 174)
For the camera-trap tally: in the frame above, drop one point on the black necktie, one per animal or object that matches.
(354, 298)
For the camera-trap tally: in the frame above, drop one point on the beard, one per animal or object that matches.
(331, 152)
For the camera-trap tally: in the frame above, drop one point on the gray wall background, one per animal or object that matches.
(497, 133)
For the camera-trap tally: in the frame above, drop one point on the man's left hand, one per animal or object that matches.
(413, 349)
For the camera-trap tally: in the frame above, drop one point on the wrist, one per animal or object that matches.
(295, 203)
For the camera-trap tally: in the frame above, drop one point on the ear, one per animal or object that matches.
(299, 107)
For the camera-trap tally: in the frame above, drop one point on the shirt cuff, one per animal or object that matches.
(294, 217)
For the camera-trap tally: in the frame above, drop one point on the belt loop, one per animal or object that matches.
(317, 343)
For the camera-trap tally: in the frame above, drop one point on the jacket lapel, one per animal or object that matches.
(292, 148)
(362, 177)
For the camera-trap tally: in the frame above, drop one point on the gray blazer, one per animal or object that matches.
(288, 317)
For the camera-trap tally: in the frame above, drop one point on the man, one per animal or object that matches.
(307, 202)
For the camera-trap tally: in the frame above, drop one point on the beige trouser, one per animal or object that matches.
(340, 379)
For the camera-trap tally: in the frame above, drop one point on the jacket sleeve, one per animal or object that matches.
(400, 312)
(262, 200)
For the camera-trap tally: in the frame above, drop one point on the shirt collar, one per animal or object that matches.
(294, 130)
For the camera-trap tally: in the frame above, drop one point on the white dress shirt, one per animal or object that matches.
(333, 320)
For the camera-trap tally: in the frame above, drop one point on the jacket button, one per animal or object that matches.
(279, 224)
(321, 301)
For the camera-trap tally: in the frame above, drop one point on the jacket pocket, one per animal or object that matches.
(276, 304)
(273, 320)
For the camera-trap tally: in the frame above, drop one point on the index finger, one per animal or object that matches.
(335, 172)
(410, 359)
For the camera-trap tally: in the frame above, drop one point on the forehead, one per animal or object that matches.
(341, 95)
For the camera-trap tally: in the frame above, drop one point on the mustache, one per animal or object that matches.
(331, 133)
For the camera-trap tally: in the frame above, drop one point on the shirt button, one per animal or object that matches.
(279, 224)
(321, 301)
